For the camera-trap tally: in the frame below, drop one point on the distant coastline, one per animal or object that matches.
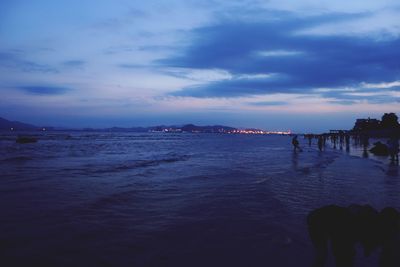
(6, 125)
(386, 127)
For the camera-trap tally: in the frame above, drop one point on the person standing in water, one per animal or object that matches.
(309, 139)
(365, 142)
(393, 145)
(347, 141)
(320, 142)
(334, 140)
(295, 144)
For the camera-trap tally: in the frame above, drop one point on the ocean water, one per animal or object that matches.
(154, 199)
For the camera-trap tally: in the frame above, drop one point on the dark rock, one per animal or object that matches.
(26, 140)
(380, 149)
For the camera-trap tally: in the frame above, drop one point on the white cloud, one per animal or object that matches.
(200, 75)
(383, 85)
(255, 76)
(380, 24)
(278, 53)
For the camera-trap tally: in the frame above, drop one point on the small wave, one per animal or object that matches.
(143, 164)
(113, 199)
(262, 181)
(17, 159)
(148, 163)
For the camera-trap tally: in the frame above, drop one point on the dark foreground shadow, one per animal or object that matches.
(344, 227)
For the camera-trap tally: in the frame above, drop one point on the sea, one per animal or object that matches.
(176, 199)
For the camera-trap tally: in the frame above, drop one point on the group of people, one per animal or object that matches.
(343, 139)
(322, 139)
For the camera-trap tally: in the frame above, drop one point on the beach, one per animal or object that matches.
(157, 199)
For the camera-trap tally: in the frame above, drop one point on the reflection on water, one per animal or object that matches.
(127, 199)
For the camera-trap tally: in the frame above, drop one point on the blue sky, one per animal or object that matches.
(279, 64)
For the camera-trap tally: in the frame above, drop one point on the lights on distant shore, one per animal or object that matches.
(222, 131)
(256, 131)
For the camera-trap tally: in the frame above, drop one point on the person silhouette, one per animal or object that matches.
(295, 144)
(347, 141)
(320, 142)
(365, 142)
(393, 147)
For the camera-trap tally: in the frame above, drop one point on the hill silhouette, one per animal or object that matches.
(16, 125)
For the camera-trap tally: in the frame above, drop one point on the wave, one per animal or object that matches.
(143, 164)
(148, 163)
(17, 159)
(120, 198)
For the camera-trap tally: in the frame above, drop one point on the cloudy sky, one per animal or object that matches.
(304, 65)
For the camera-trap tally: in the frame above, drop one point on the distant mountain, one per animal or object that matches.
(188, 128)
(16, 125)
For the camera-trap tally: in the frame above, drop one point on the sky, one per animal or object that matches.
(303, 65)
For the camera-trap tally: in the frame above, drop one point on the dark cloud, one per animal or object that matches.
(302, 62)
(119, 49)
(394, 88)
(156, 48)
(73, 63)
(239, 87)
(130, 66)
(15, 60)
(141, 48)
(114, 24)
(44, 90)
(135, 12)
